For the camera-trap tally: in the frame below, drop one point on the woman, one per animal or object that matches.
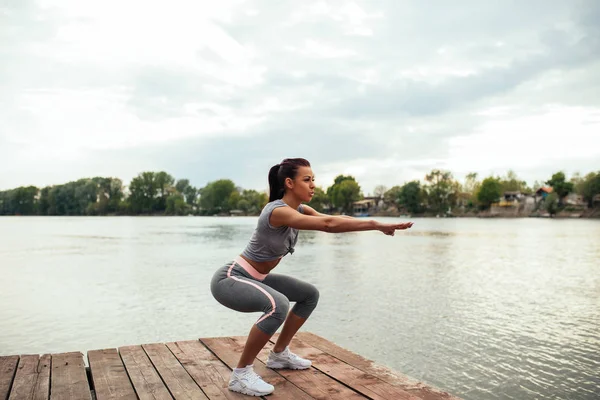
(246, 284)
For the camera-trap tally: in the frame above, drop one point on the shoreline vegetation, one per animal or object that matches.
(438, 195)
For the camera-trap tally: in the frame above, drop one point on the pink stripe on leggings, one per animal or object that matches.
(259, 288)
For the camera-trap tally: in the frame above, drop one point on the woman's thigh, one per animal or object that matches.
(294, 289)
(247, 295)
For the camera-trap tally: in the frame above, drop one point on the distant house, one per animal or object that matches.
(574, 199)
(509, 199)
(365, 207)
(542, 193)
(513, 196)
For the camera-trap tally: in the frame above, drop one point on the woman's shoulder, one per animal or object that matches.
(270, 206)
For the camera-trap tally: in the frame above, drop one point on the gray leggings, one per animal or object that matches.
(236, 288)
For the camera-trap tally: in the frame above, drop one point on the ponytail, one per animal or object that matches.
(278, 173)
(275, 185)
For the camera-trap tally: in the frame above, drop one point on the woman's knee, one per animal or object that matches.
(312, 297)
(281, 308)
(275, 316)
(304, 308)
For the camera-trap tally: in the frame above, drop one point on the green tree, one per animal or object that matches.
(189, 192)
(216, 195)
(44, 201)
(110, 195)
(392, 196)
(86, 196)
(512, 183)
(411, 197)
(176, 204)
(577, 181)
(25, 200)
(470, 189)
(471, 183)
(344, 191)
(560, 186)
(234, 199)
(441, 190)
(113, 190)
(338, 179)
(252, 202)
(19, 201)
(589, 187)
(163, 182)
(142, 191)
(319, 201)
(66, 201)
(551, 203)
(489, 192)
(182, 184)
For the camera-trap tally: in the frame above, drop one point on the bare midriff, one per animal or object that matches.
(264, 267)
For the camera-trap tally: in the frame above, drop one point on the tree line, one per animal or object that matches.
(158, 193)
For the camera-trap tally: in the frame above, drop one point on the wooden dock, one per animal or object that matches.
(200, 369)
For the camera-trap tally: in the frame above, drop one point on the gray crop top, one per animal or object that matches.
(267, 242)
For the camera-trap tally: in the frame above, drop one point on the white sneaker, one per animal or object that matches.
(248, 382)
(287, 359)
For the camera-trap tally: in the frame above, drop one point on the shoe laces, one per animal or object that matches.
(252, 377)
(292, 356)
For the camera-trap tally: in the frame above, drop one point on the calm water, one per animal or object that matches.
(486, 309)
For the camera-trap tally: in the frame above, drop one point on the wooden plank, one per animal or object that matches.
(311, 380)
(145, 379)
(32, 380)
(178, 381)
(362, 382)
(419, 389)
(69, 379)
(229, 352)
(109, 375)
(206, 369)
(8, 368)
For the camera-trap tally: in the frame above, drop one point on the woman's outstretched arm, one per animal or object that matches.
(285, 216)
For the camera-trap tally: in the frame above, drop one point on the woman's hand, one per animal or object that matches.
(389, 229)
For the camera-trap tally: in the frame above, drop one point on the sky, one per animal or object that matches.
(383, 90)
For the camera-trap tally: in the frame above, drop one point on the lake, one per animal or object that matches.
(482, 308)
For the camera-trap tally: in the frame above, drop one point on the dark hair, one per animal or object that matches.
(278, 173)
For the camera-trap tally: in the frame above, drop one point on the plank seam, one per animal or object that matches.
(157, 371)
(127, 372)
(12, 379)
(37, 377)
(49, 374)
(50, 378)
(89, 376)
(185, 369)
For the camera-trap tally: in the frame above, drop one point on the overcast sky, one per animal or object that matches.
(384, 90)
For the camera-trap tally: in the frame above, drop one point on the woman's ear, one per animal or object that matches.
(289, 183)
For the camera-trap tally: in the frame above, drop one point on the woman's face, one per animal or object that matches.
(303, 185)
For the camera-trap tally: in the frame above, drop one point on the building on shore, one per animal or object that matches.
(367, 206)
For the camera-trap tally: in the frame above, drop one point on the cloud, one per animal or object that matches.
(384, 90)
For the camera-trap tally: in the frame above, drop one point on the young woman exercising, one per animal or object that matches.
(246, 283)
